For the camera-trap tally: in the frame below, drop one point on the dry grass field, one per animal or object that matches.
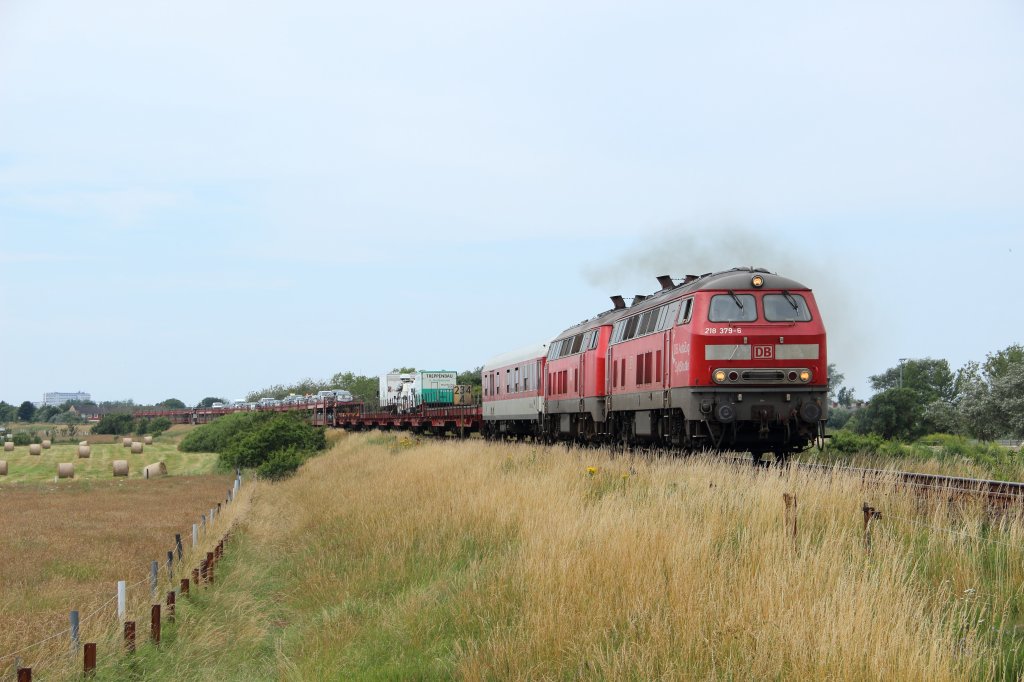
(389, 558)
(64, 546)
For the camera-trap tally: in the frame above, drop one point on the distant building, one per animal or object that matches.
(56, 398)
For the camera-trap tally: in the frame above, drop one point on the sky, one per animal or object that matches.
(205, 199)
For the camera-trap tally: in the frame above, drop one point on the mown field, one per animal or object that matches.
(390, 558)
(66, 544)
(23, 467)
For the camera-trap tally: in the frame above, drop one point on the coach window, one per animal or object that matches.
(631, 324)
(786, 307)
(508, 381)
(650, 322)
(617, 330)
(577, 343)
(594, 337)
(732, 308)
(686, 311)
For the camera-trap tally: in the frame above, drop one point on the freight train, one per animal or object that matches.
(732, 360)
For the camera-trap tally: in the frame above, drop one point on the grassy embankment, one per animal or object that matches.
(66, 544)
(388, 559)
(25, 468)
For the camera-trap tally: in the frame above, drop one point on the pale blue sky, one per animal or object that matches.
(207, 198)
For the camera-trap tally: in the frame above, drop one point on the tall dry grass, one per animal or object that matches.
(388, 558)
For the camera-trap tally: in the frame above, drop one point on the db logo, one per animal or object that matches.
(764, 352)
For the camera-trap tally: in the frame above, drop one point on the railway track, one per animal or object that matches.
(1002, 493)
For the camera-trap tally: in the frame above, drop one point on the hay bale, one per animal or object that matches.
(84, 451)
(46, 445)
(126, 442)
(83, 442)
(136, 448)
(155, 470)
(35, 449)
(66, 470)
(120, 467)
(3, 467)
(8, 446)
(147, 440)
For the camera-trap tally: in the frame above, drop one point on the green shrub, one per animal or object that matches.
(218, 434)
(281, 431)
(274, 443)
(847, 442)
(22, 438)
(115, 424)
(159, 425)
(282, 463)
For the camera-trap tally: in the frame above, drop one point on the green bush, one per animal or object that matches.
(274, 443)
(218, 434)
(115, 424)
(282, 463)
(22, 438)
(280, 432)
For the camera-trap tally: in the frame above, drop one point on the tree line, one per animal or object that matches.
(919, 396)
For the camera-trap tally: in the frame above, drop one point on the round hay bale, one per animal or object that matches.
(66, 470)
(147, 440)
(126, 442)
(83, 442)
(120, 467)
(155, 470)
(35, 449)
(46, 445)
(3, 467)
(84, 451)
(136, 448)
(8, 446)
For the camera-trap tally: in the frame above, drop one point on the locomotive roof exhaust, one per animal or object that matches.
(665, 281)
(639, 298)
(618, 302)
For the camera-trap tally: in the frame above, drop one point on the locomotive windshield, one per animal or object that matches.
(786, 307)
(732, 308)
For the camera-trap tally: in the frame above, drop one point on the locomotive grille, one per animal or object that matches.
(763, 375)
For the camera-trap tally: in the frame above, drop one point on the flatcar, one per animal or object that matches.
(733, 360)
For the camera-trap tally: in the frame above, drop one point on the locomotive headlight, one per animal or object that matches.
(805, 375)
(719, 376)
(757, 281)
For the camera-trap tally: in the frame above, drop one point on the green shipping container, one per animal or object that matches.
(438, 396)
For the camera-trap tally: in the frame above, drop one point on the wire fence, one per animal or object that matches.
(207, 547)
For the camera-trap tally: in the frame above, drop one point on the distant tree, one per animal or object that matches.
(1007, 396)
(845, 397)
(1000, 363)
(26, 411)
(471, 377)
(119, 424)
(8, 412)
(45, 413)
(403, 370)
(931, 379)
(979, 415)
(172, 404)
(894, 413)
(835, 382)
(362, 388)
(209, 401)
(118, 406)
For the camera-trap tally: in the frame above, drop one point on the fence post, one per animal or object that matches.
(170, 606)
(184, 586)
(790, 501)
(170, 566)
(154, 568)
(129, 635)
(121, 599)
(870, 514)
(74, 632)
(195, 534)
(154, 623)
(195, 576)
(24, 674)
(90, 658)
(177, 545)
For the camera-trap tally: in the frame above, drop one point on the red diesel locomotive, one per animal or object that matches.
(733, 360)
